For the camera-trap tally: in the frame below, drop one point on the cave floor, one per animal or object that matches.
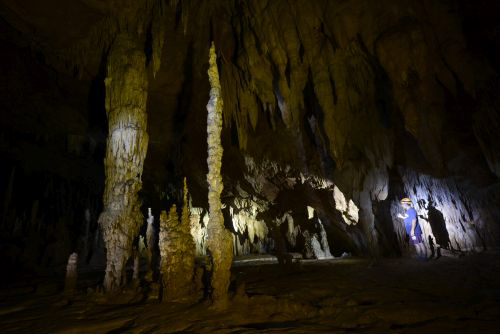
(448, 295)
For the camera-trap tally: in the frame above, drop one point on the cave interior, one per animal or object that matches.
(217, 166)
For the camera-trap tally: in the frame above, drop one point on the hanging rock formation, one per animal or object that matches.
(219, 240)
(127, 143)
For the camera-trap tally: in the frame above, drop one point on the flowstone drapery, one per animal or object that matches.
(219, 240)
(127, 143)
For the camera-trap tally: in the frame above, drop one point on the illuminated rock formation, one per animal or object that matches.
(126, 94)
(71, 273)
(340, 106)
(150, 238)
(177, 250)
(324, 241)
(163, 238)
(349, 210)
(219, 240)
(446, 214)
(199, 222)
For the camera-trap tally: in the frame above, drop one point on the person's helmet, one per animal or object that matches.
(406, 200)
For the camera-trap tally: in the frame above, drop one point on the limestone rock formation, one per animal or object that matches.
(127, 143)
(177, 250)
(199, 222)
(150, 238)
(447, 214)
(219, 240)
(71, 273)
(340, 106)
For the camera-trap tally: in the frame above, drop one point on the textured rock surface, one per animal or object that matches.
(127, 143)
(177, 250)
(356, 94)
(151, 238)
(71, 273)
(219, 240)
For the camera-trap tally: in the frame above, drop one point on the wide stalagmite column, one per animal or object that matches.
(127, 143)
(219, 240)
(177, 250)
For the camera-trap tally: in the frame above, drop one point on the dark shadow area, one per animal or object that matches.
(438, 226)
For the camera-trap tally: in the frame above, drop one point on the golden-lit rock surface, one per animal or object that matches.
(127, 144)
(177, 250)
(322, 115)
(219, 241)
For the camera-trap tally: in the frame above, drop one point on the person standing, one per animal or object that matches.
(412, 227)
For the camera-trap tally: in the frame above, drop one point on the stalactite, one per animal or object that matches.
(158, 31)
(126, 94)
(199, 222)
(219, 239)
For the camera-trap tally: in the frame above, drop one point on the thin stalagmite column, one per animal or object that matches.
(71, 273)
(127, 143)
(150, 239)
(219, 240)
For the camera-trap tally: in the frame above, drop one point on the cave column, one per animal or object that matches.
(219, 240)
(127, 143)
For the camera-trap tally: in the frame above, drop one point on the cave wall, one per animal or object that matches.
(342, 107)
(357, 89)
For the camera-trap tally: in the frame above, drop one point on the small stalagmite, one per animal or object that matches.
(150, 239)
(71, 273)
(127, 143)
(150, 235)
(177, 250)
(219, 240)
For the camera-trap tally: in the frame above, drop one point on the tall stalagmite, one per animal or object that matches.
(219, 240)
(127, 143)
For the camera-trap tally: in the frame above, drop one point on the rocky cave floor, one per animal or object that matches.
(402, 295)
